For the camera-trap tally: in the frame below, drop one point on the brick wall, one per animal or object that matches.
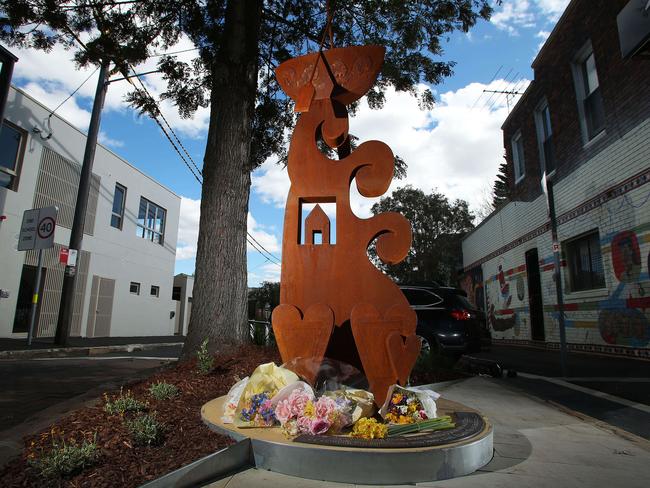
(625, 88)
(603, 186)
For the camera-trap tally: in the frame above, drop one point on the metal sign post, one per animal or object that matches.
(37, 232)
(35, 296)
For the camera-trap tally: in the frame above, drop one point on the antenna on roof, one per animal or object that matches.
(508, 93)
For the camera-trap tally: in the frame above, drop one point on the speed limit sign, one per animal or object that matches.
(37, 229)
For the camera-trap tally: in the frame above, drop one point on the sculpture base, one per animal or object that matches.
(362, 465)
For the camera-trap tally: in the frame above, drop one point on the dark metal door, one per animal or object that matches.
(535, 296)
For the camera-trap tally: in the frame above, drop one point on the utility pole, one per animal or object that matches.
(558, 275)
(76, 236)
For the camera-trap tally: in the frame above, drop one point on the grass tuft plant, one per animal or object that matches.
(145, 430)
(123, 403)
(204, 360)
(65, 460)
(163, 390)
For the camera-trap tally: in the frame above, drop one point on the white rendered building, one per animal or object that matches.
(125, 269)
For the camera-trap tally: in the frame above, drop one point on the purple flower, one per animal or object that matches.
(319, 426)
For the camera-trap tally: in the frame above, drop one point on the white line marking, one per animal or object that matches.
(589, 391)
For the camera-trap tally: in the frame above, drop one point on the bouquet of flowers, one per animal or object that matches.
(255, 408)
(409, 405)
(300, 412)
(259, 412)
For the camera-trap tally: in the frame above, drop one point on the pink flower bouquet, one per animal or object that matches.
(300, 412)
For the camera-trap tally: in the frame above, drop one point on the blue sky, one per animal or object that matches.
(454, 148)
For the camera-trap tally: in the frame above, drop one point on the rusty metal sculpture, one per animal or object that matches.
(326, 285)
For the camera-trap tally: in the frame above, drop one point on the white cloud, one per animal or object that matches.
(512, 15)
(516, 14)
(50, 77)
(188, 228)
(107, 141)
(553, 8)
(265, 272)
(543, 35)
(188, 231)
(453, 149)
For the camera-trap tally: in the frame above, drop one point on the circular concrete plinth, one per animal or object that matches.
(272, 451)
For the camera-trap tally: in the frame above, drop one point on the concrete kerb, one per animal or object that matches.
(61, 352)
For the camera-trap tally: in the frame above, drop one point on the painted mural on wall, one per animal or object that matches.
(505, 293)
(622, 319)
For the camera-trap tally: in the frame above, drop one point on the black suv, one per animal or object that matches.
(447, 321)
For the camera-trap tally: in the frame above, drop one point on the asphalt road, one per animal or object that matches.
(32, 386)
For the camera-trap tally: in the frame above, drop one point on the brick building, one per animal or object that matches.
(584, 121)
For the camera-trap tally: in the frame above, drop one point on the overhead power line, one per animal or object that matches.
(254, 243)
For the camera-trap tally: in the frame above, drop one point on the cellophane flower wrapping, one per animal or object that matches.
(232, 400)
(255, 408)
(299, 411)
(408, 405)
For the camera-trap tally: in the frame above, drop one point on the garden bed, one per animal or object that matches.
(119, 460)
(123, 463)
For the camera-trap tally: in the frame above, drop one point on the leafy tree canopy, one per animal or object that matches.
(501, 191)
(438, 225)
(129, 31)
(239, 43)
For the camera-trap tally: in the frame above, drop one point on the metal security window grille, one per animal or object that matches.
(11, 149)
(119, 197)
(593, 100)
(151, 221)
(57, 184)
(585, 263)
(518, 156)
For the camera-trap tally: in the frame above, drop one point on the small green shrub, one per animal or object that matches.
(123, 403)
(65, 459)
(204, 360)
(163, 391)
(145, 430)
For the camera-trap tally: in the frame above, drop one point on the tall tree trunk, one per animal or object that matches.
(219, 302)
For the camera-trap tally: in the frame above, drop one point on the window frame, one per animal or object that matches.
(157, 291)
(568, 250)
(138, 288)
(518, 159)
(580, 80)
(142, 229)
(542, 138)
(113, 213)
(20, 155)
(177, 291)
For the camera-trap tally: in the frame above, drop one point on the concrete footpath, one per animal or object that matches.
(535, 445)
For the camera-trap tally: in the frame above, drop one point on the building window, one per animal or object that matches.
(155, 291)
(176, 293)
(134, 288)
(518, 156)
(119, 197)
(545, 137)
(12, 143)
(151, 221)
(590, 99)
(585, 262)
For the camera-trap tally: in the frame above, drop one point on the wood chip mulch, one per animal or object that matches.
(124, 464)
